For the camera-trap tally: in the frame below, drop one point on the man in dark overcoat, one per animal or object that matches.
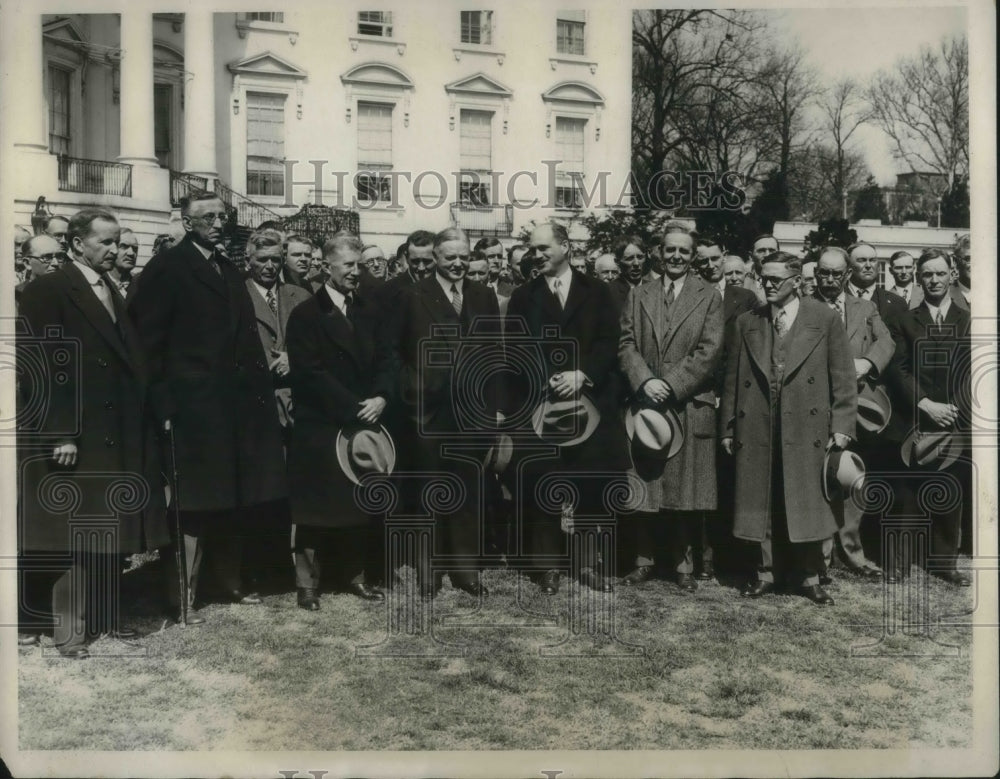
(790, 394)
(93, 454)
(670, 344)
(210, 385)
(935, 396)
(446, 404)
(342, 380)
(571, 321)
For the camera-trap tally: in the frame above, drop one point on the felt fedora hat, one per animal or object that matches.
(565, 422)
(843, 471)
(874, 408)
(364, 450)
(654, 432)
(936, 448)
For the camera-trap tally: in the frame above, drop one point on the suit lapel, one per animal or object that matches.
(579, 291)
(756, 337)
(261, 309)
(691, 293)
(83, 296)
(852, 314)
(437, 303)
(336, 326)
(652, 303)
(202, 270)
(801, 339)
(546, 302)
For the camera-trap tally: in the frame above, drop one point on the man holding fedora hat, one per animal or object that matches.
(342, 378)
(671, 341)
(790, 395)
(448, 324)
(872, 348)
(571, 322)
(935, 395)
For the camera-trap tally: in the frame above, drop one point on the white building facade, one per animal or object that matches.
(414, 117)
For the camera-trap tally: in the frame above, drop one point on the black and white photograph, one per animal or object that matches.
(525, 389)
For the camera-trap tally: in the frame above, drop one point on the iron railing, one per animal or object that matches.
(95, 177)
(318, 222)
(184, 185)
(247, 212)
(493, 220)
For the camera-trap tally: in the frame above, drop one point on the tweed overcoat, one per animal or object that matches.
(818, 398)
(209, 375)
(682, 347)
(95, 397)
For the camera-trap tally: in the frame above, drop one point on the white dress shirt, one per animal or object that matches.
(791, 311)
(939, 309)
(100, 287)
(338, 298)
(564, 279)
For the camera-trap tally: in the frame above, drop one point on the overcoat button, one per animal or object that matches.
(739, 444)
(811, 380)
(741, 413)
(813, 411)
(102, 362)
(817, 443)
(260, 364)
(108, 404)
(109, 442)
(746, 383)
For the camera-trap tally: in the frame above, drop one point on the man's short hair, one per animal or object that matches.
(80, 223)
(527, 262)
(857, 245)
(674, 228)
(790, 261)
(896, 255)
(450, 234)
(838, 250)
(401, 252)
(487, 242)
(342, 242)
(623, 243)
(707, 239)
(418, 238)
(515, 248)
(296, 238)
(559, 232)
(56, 218)
(262, 239)
(963, 244)
(934, 254)
(197, 197)
(762, 236)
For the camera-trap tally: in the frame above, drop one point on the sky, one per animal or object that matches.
(858, 42)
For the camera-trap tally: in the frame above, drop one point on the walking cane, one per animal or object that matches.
(182, 581)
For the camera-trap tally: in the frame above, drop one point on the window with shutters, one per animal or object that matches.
(59, 119)
(265, 144)
(475, 156)
(477, 27)
(377, 23)
(569, 172)
(570, 29)
(374, 152)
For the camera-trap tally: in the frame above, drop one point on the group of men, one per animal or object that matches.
(529, 392)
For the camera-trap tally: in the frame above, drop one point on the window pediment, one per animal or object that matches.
(376, 74)
(575, 92)
(266, 64)
(478, 85)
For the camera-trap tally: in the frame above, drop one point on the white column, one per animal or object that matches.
(21, 37)
(199, 94)
(137, 143)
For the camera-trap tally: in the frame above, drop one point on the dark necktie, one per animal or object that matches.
(272, 301)
(671, 296)
(349, 309)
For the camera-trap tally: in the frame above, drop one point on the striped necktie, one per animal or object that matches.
(456, 299)
(272, 301)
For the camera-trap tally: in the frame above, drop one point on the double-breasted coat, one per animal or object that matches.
(209, 376)
(95, 399)
(583, 336)
(682, 346)
(271, 329)
(335, 364)
(818, 398)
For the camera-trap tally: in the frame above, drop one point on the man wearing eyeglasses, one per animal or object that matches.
(873, 348)
(210, 386)
(42, 254)
(790, 394)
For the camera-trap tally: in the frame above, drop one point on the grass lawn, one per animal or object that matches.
(702, 671)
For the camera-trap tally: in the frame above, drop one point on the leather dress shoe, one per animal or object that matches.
(595, 580)
(245, 598)
(638, 576)
(194, 619)
(124, 634)
(815, 593)
(28, 639)
(958, 578)
(686, 582)
(869, 572)
(757, 589)
(549, 583)
(707, 573)
(365, 592)
(74, 652)
(308, 599)
(825, 579)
